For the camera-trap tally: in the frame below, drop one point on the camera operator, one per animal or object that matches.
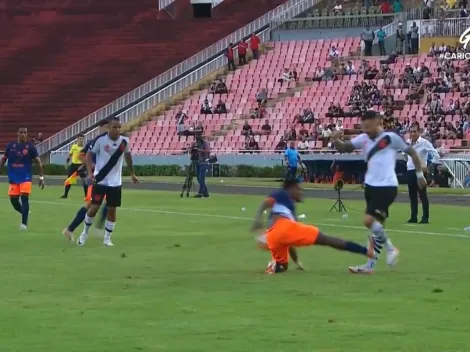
(203, 152)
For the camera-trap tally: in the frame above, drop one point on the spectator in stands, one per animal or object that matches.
(463, 11)
(413, 93)
(349, 69)
(180, 118)
(413, 34)
(281, 146)
(333, 110)
(303, 146)
(38, 139)
(381, 35)
(262, 96)
(400, 38)
(386, 7)
(199, 130)
(258, 113)
(391, 59)
(221, 87)
(291, 134)
(329, 74)
(368, 37)
(266, 128)
(397, 6)
(338, 9)
(230, 58)
(371, 73)
(326, 133)
(303, 132)
(206, 107)
(253, 146)
(441, 178)
(305, 117)
(220, 108)
(286, 76)
(254, 45)
(334, 53)
(246, 129)
(433, 50)
(242, 48)
(318, 76)
(339, 126)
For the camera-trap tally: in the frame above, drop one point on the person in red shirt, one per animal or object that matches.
(242, 47)
(386, 7)
(230, 58)
(254, 45)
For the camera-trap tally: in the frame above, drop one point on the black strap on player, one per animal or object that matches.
(381, 144)
(111, 162)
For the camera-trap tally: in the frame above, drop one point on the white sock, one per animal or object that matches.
(108, 229)
(389, 245)
(86, 229)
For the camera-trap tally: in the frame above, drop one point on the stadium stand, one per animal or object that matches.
(289, 99)
(95, 52)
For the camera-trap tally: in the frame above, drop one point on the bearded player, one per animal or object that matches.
(80, 216)
(20, 155)
(286, 233)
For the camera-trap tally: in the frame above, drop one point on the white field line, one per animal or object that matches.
(218, 216)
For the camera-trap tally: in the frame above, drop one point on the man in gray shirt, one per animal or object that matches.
(202, 166)
(368, 37)
(414, 38)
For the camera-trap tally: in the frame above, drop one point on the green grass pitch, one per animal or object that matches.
(185, 275)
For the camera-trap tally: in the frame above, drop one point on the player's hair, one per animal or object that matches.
(21, 127)
(115, 119)
(290, 183)
(81, 135)
(103, 123)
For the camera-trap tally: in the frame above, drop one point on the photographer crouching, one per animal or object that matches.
(202, 165)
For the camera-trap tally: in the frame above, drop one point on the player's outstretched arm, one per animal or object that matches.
(130, 165)
(341, 146)
(258, 223)
(41, 171)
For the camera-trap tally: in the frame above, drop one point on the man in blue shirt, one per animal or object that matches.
(381, 35)
(292, 158)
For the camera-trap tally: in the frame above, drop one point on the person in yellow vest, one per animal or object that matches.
(75, 166)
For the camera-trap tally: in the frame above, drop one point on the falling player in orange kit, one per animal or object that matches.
(285, 233)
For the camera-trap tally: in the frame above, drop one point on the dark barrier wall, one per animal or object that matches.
(354, 170)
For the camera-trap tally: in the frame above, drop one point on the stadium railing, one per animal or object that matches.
(449, 27)
(290, 9)
(162, 4)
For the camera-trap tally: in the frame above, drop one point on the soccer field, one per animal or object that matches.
(185, 275)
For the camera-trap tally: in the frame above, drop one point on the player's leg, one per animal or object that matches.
(300, 235)
(113, 200)
(25, 191)
(378, 201)
(71, 170)
(80, 216)
(82, 174)
(98, 193)
(103, 216)
(14, 194)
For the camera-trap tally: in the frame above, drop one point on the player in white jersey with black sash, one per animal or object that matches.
(109, 149)
(380, 149)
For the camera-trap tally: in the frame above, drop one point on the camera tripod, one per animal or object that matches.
(188, 182)
(339, 205)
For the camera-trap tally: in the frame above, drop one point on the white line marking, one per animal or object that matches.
(454, 228)
(168, 212)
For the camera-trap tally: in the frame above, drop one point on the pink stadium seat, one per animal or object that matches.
(224, 130)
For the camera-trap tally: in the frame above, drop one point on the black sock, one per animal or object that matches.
(78, 219)
(15, 201)
(67, 190)
(85, 188)
(24, 209)
(355, 248)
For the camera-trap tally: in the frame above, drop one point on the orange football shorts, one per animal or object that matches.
(21, 188)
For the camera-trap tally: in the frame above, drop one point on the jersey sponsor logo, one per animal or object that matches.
(383, 143)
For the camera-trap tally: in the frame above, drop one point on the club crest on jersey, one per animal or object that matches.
(25, 151)
(107, 148)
